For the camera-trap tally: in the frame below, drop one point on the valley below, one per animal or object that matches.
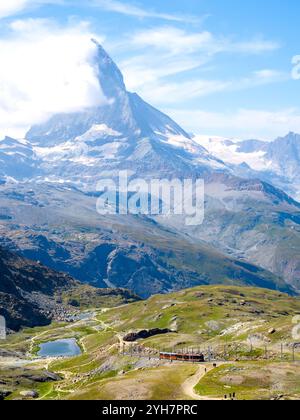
(245, 335)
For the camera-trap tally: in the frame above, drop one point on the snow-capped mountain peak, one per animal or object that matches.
(110, 77)
(124, 132)
(123, 112)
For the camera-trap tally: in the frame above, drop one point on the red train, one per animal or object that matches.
(182, 357)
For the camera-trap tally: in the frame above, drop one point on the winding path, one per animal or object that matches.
(189, 385)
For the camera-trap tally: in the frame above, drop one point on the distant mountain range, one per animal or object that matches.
(277, 162)
(251, 232)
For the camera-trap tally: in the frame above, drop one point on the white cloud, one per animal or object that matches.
(45, 69)
(133, 10)
(175, 40)
(266, 74)
(165, 93)
(242, 124)
(12, 7)
(8, 8)
(144, 70)
(254, 46)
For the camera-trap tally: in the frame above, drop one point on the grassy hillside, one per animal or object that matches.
(245, 327)
(84, 296)
(252, 380)
(211, 315)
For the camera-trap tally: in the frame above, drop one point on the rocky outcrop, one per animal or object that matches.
(134, 336)
(25, 291)
(4, 394)
(29, 394)
(45, 376)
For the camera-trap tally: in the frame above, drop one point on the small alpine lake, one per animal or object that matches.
(60, 348)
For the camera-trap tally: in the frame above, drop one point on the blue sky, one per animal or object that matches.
(219, 67)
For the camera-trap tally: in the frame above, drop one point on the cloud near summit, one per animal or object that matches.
(45, 69)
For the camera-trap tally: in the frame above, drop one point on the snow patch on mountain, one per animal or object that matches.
(97, 131)
(276, 162)
(228, 151)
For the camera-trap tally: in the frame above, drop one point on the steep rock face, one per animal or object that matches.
(18, 273)
(32, 294)
(24, 288)
(284, 153)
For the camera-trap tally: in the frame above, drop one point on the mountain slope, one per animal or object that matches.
(120, 251)
(17, 159)
(23, 286)
(251, 221)
(31, 294)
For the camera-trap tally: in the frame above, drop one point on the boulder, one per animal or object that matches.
(4, 394)
(29, 394)
(46, 377)
(134, 336)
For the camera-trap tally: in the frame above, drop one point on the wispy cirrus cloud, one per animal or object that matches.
(176, 40)
(165, 93)
(12, 7)
(183, 51)
(8, 8)
(129, 9)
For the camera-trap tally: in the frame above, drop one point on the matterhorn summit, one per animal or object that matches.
(124, 132)
(122, 111)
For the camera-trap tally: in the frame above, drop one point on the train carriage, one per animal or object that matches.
(183, 357)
